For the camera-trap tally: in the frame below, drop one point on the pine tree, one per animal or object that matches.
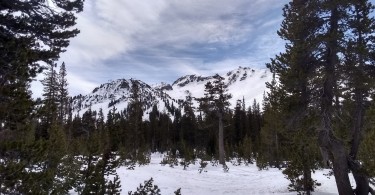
(354, 41)
(21, 53)
(271, 134)
(31, 32)
(49, 108)
(147, 188)
(62, 94)
(239, 118)
(165, 132)
(255, 120)
(15, 98)
(114, 186)
(367, 149)
(60, 172)
(176, 127)
(135, 115)
(112, 126)
(215, 103)
(154, 120)
(295, 68)
(88, 121)
(188, 123)
(100, 124)
(324, 38)
(358, 65)
(94, 158)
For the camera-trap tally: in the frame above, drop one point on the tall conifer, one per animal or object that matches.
(327, 45)
(31, 32)
(62, 95)
(215, 103)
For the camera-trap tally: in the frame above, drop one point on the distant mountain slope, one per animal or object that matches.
(242, 82)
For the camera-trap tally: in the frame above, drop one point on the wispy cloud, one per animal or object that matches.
(160, 40)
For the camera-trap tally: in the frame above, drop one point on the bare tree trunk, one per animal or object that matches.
(221, 140)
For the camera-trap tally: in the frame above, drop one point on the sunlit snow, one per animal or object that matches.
(239, 180)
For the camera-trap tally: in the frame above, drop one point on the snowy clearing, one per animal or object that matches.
(239, 180)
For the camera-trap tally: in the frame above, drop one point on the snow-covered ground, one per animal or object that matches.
(239, 180)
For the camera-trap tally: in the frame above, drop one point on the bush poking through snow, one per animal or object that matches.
(147, 189)
(225, 168)
(214, 162)
(186, 162)
(169, 159)
(203, 165)
(150, 189)
(178, 191)
(114, 186)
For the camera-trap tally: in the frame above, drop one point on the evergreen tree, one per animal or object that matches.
(367, 149)
(188, 122)
(324, 38)
(176, 127)
(21, 52)
(31, 32)
(100, 124)
(215, 103)
(49, 108)
(116, 135)
(295, 68)
(135, 112)
(15, 98)
(147, 188)
(355, 48)
(60, 171)
(62, 94)
(358, 64)
(271, 133)
(239, 122)
(154, 116)
(88, 122)
(166, 132)
(255, 120)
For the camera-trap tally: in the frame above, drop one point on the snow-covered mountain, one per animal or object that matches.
(243, 83)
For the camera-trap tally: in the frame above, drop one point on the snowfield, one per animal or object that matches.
(214, 181)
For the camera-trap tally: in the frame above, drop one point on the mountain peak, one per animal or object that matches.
(183, 81)
(243, 82)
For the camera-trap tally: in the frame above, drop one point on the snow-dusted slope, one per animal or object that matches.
(243, 83)
(117, 94)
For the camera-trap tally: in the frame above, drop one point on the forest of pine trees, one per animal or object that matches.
(318, 112)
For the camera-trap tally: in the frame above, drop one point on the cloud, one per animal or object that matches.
(78, 85)
(159, 40)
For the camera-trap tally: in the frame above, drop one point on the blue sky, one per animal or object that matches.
(162, 40)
